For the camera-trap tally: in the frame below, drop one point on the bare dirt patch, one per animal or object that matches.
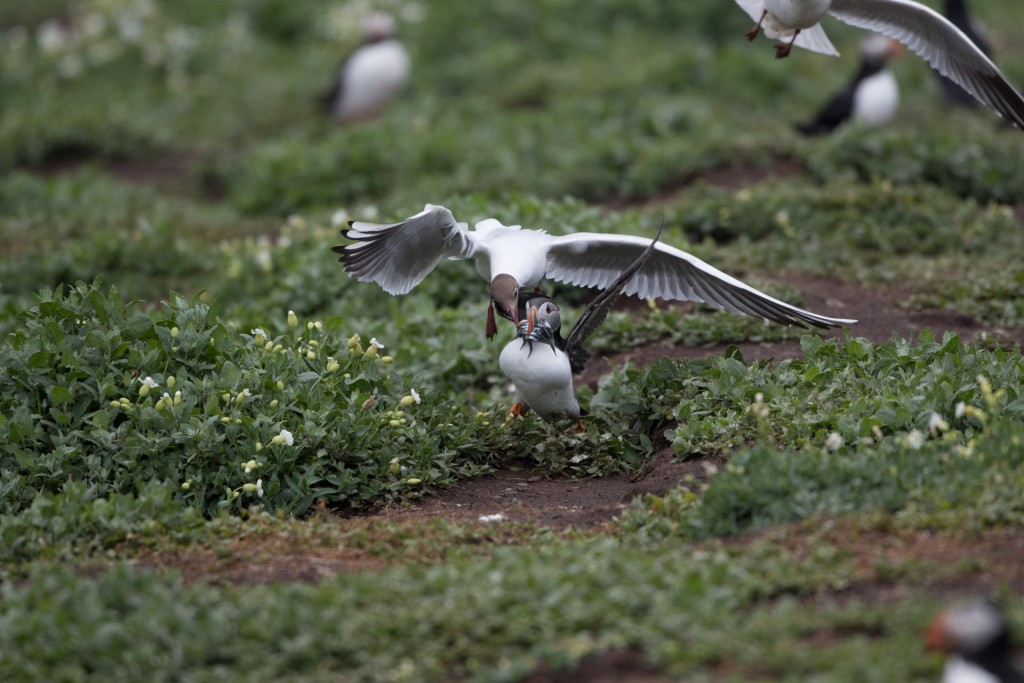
(522, 495)
(613, 666)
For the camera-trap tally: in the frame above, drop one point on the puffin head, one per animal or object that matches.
(974, 630)
(545, 312)
(878, 49)
(378, 26)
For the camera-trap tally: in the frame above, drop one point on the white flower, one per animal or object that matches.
(149, 382)
(259, 488)
(50, 36)
(415, 396)
(937, 424)
(284, 438)
(374, 342)
(834, 441)
(497, 517)
(264, 260)
(961, 408)
(339, 217)
(915, 439)
(258, 332)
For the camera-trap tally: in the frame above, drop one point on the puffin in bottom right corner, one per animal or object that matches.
(975, 638)
(873, 96)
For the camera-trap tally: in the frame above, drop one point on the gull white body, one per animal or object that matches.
(542, 377)
(369, 80)
(921, 29)
(509, 249)
(786, 17)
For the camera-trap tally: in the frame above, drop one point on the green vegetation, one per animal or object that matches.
(189, 380)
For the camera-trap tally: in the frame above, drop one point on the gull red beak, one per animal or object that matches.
(530, 320)
(515, 314)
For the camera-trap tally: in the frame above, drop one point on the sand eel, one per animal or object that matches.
(371, 76)
(923, 30)
(398, 256)
(977, 643)
(872, 96)
(541, 363)
(956, 12)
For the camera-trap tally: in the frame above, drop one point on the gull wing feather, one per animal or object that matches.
(596, 260)
(398, 256)
(597, 310)
(815, 40)
(935, 39)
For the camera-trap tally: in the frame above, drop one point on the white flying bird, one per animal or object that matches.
(398, 256)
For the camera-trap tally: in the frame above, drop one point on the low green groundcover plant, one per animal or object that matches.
(94, 391)
(496, 618)
(930, 431)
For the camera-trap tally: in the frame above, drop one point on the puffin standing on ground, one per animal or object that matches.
(872, 96)
(923, 30)
(977, 643)
(398, 256)
(541, 363)
(371, 76)
(956, 12)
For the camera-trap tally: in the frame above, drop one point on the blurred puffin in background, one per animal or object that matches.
(956, 12)
(371, 76)
(976, 640)
(872, 96)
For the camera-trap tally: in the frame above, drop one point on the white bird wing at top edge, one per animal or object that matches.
(596, 260)
(932, 37)
(398, 256)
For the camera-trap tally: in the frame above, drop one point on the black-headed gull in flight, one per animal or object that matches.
(398, 256)
(923, 30)
(371, 76)
(541, 363)
(872, 96)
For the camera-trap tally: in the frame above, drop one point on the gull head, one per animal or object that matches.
(504, 291)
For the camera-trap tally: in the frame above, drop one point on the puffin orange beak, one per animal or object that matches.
(935, 638)
(531, 319)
